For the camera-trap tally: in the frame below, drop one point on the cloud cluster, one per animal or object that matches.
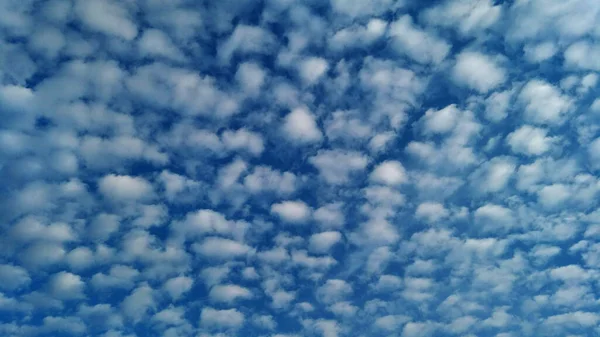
(286, 168)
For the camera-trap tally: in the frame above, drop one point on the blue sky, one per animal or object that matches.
(286, 168)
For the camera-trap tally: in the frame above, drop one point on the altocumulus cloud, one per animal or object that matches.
(287, 168)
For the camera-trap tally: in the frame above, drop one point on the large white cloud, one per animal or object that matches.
(224, 249)
(13, 277)
(544, 103)
(300, 126)
(66, 286)
(422, 46)
(324, 241)
(229, 293)
(228, 318)
(107, 17)
(478, 71)
(530, 140)
(123, 188)
(389, 172)
(336, 166)
(292, 211)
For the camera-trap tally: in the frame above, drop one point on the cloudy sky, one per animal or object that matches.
(286, 168)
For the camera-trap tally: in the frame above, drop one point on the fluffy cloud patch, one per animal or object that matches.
(422, 46)
(301, 126)
(223, 249)
(323, 242)
(389, 173)
(229, 318)
(66, 286)
(292, 211)
(107, 17)
(336, 166)
(529, 140)
(478, 71)
(122, 188)
(543, 103)
(494, 217)
(229, 293)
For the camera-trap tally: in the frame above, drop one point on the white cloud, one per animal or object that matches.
(414, 329)
(556, 20)
(594, 153)
(66, 286)
(119, 276)
(249, 273)
(554, 195)
(312, 69)
(292, 211)
(494, 218)
(323, 242)
(251, 77)
(583, 55)
(30, 229)
(214, 275)
(48, 41)
(222, 249)
(206, 221)
(229, 293)
(387, 283)
(357, 36)
(265, 321)
(462, 324)
(246, 40)
(390, 323)
(530, 140)
(544, 103)
(175, 184)
(440, 121)
(170, 316)
(243, 140)
(376, 232)
(13, 277)
(183, 90)
(80, 258)
(178, 286)
(540, 52)
(214, 318)
(394, 90)
(469, 17)
(301, 258)
(431, 212)
(123, 188)
(300, 126)
(417, 44)
(334, 290)
(347, 126)
(107, 17)
(358, 8)
(328, 328)
(264, 178)
(230, 174)
(330, 216)
(337, 166)
(154, 42)
(573, 319)
(478, 71)
(389, 172)
(139, 303)
(68, 324)
(494, 175)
